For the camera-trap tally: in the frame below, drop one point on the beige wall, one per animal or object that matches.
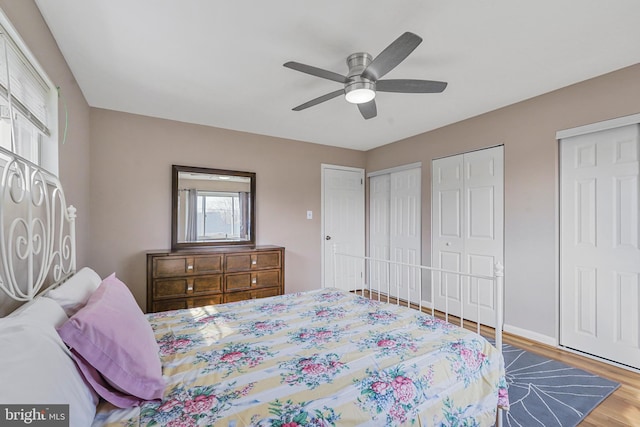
(74, 153)
(131, 158)
(527, 130)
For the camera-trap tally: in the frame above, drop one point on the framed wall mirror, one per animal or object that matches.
(212, 207)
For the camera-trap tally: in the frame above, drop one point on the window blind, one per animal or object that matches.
(22, 85)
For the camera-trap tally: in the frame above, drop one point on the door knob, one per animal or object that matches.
(327, 238)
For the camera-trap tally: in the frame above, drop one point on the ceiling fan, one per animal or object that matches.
(362, 80)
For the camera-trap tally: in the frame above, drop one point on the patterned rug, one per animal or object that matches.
(547, 393)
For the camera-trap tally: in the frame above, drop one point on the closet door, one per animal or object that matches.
(467, 230)
(405, 237)
(599, 244)
(379, 224)
(395, 232)
(447, 224)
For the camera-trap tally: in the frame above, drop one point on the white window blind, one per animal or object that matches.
(26, 116)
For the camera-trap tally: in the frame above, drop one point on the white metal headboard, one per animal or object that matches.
(37, 229)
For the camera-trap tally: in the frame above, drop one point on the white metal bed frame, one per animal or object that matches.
(496, 281)
(37, 229)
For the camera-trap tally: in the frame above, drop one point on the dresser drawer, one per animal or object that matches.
(167, 288)
(179, 304)
(179, 280)
(249, 280)
(252, 261)
(244, 295)
(187, 265)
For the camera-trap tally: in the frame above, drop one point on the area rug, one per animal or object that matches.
(544, 392)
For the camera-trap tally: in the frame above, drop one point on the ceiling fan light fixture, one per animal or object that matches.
(360, 92)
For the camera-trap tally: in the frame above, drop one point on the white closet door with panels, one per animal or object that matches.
(467, 230)
(394, 231)
(379, 224)
(599, 244)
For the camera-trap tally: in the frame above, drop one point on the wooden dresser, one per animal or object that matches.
(188, 279)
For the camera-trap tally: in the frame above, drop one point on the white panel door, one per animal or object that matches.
(467, 230)
(447, 239)
(395, 232)
(343, 225)
(405, 237)
(599, 248)
(484, 228)
(379, 224)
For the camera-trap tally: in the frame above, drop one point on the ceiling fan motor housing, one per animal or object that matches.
(357, 62)
(359, 89)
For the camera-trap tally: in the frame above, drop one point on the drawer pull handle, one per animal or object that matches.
(189, 267)
(189, 287)
(254, 280)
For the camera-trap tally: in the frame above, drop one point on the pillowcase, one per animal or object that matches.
(37, 369)
(41, 310)
(73, 294)
(114, 346)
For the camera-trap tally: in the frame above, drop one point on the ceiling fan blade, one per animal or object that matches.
(393, 54)
(368, 109)
(319, 100)
(314, 71)
(410, 86)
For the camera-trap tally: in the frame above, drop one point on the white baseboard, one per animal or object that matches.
(534, 336)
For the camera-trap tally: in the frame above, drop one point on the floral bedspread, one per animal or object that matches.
(319, 358)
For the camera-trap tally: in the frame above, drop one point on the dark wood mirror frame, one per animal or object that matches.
(249, 222)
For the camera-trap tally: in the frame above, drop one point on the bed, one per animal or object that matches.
(319, 358)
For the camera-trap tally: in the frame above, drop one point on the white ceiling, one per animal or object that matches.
(219, 63)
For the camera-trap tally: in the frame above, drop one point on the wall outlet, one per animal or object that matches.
(309, 215)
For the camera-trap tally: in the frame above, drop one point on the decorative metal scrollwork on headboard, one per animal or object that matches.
(37, 230)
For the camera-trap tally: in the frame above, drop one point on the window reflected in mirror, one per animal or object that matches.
(212, 207)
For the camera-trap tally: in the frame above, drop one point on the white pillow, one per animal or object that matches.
(73, 294)
(37, 369)
(41, 310)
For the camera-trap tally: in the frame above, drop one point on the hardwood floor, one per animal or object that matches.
(622, 408)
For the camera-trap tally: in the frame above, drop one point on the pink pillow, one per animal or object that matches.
(113, 345)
